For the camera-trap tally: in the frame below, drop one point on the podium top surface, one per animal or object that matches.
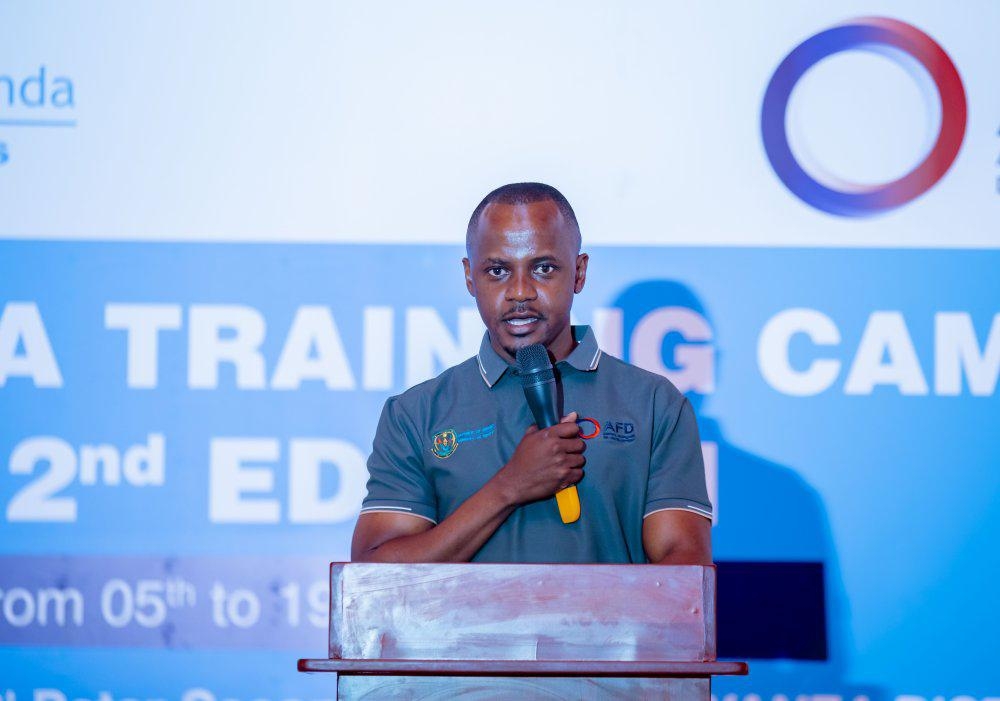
(522, 668)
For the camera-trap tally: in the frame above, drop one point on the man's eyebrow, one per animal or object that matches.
(548, 257)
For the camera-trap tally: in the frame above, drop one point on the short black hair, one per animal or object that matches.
(523, 193)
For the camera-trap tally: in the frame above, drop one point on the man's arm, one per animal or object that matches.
(677, 537)
(394, 537)
(544, 461)
(675, 530)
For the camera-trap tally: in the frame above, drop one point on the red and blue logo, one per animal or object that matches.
(884, 36)
(618, 431)
(589, 427)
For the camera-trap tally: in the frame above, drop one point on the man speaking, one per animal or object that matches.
(459, 469)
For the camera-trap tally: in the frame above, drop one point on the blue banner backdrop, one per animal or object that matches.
(184, 428)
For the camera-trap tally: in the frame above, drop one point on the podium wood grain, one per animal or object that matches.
(522, 612)
(521, 689)
(525, 631)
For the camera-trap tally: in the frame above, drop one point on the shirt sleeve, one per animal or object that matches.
(396, 478)
(676, 470)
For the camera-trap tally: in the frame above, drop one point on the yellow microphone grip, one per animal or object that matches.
(569, 504)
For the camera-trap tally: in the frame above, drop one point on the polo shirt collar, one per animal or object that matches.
(584, 357)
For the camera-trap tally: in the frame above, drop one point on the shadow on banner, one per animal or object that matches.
(781, 600)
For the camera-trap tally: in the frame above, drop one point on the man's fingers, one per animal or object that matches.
(570, 418)
(566, 429)
(533, 428)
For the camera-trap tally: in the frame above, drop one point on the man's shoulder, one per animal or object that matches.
(456, 378)
(635, 377)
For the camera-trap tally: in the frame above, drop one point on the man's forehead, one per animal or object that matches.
(523, 215)
(521, 226)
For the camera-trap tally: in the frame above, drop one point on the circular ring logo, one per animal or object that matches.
(869, 33)
(595, 428)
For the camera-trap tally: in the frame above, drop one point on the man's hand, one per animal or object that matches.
(545, 461)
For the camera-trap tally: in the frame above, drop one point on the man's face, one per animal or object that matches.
(523, 269)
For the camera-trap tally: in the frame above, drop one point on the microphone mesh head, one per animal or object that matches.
(533, 359)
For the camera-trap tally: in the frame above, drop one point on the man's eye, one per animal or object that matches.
(495, 271)
(545, 269)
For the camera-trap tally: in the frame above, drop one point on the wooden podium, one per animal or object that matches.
(475, 631)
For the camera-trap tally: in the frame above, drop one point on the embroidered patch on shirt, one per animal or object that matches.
(446, 442)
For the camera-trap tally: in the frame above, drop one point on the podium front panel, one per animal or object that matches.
(522, 612)
(520, 688)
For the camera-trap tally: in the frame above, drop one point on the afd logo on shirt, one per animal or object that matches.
(617, 431)
(620, 431)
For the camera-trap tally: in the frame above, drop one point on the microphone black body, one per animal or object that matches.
(538, 380)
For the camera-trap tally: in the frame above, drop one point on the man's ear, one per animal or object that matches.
(468, 277)
(581, 272)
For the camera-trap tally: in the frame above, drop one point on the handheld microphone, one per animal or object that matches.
(539, 383)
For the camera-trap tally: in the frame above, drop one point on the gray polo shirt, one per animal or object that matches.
(440, 441)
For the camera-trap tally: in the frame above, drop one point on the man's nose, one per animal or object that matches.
(521, 287)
